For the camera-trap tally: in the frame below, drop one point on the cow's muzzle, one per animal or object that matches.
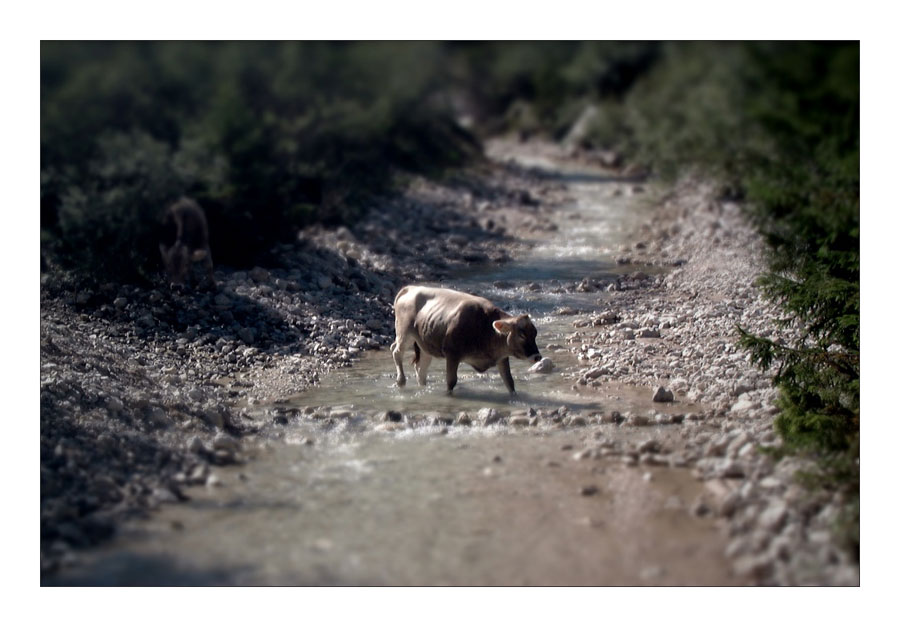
(536, 357)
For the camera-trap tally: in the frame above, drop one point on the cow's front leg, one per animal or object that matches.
(452, 367)
(506, 375)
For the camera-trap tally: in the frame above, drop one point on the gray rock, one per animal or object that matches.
(164, 495)
(745, 405)
(729, 504)
(771, 483)
(736, 444)
(662, 395)
(612, 417)
(213, 417)
(588, 453)
(544, 366)
(700, 509)
(439, 420)
(594, 373)
(225, 442)
(717, 447)
(651, 459)
(774, 516)
(488, 416)
(730, 469)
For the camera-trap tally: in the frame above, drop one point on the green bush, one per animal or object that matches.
(556, 80)
(109, 221)
(805, 200)
(266, 136)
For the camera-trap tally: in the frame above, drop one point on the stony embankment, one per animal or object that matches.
(141, 387)
(678, 331)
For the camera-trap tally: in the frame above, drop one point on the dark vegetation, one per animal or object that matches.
(269, 137)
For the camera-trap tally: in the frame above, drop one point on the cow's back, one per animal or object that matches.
(190, 222)
(438, 316)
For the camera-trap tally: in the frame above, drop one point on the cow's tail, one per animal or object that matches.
(416, 352)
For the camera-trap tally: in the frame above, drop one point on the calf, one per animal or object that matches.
(459, 327)
(185, 226)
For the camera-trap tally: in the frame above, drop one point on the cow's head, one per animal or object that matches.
(520, 337)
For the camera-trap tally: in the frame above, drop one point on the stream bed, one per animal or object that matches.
(353, 501)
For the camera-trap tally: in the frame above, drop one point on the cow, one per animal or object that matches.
(459, 327)
(187, 241)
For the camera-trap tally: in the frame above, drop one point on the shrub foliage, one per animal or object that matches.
(267, 136)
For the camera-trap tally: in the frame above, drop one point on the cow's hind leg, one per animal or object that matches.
(181, 260)
(422, 363)
(400, 346)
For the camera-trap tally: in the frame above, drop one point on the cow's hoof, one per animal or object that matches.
(401, 383)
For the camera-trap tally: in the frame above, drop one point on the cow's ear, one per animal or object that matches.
(503, 327)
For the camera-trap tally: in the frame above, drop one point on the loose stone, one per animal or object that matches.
(544, 366)
(662, 395)
(488, 416)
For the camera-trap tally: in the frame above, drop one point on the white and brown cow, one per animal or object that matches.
(459, 327)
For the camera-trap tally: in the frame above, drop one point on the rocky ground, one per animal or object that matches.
(676, 332)
(144, 391)
(141, 386)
